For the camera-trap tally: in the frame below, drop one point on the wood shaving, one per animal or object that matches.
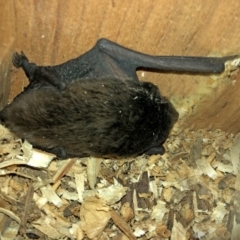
(190, 192)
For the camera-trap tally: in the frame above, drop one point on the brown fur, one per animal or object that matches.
(107, 117)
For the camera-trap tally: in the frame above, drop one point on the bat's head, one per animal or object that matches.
(161, 115)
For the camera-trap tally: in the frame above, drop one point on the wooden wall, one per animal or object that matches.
(7, 34)
(52, 32)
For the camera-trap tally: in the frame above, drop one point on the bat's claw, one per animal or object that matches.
(19, 59)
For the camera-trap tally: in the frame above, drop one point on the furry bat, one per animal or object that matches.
(94, 105)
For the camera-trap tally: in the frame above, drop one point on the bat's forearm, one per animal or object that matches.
(189, 64)
(165, 63)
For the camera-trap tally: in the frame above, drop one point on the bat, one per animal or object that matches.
(95, 105)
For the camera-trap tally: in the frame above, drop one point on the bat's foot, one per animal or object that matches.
(155, 150)
(19, 60)
(58, 151)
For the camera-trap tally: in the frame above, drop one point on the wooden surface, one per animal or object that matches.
(51, 32)
(6, 44)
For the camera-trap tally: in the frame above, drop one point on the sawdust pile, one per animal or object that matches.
(191, 192)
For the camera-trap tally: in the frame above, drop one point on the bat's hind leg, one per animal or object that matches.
(38, 76)
(20, 60)
(50, 77)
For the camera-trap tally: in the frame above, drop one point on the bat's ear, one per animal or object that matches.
(150, 87)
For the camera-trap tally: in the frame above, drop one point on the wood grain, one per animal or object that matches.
(6, 43)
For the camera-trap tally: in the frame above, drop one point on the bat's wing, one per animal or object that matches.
(110, 60)
(135, 60)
